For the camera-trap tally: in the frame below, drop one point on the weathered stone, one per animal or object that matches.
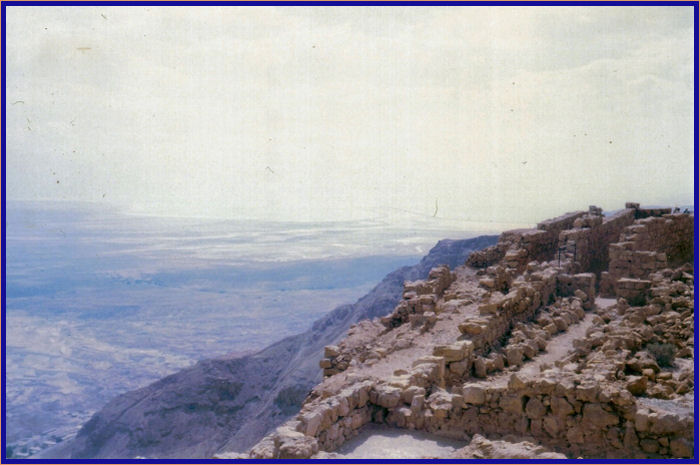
(459, 368)
(516, 382)
(312, 422)
(665, 423)
(561, 407)
(480, 367)
(514, 355)
(471, 328)
(455, 352)
(650, 446)
(595, 415)
(298, 448)
(575, 435)
(681, 448)
(388, 396)
(535, 409)
(552, 425)
(637, 385)
(331, 351)
(473, 394)
(630, 440)
(511, 404)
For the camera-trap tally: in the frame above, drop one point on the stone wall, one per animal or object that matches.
(671, 234)
(520, 246)
(648, 245)
(418, 307)
(579, 416)
(420, 297)
(586, 245)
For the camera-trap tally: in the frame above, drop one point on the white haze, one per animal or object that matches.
(496, 114)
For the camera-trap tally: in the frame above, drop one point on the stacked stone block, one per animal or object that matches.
(649, 245)
(420, 299)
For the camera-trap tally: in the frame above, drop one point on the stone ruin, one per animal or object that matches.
(554, 335)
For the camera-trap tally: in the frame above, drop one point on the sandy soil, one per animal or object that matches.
(377, 442)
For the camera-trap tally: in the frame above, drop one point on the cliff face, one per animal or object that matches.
(229, 404)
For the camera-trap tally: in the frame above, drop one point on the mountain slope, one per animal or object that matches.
(229, 404)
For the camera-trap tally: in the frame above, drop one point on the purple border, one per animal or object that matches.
(694, 4)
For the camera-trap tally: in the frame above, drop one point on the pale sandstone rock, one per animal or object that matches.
(473, 394)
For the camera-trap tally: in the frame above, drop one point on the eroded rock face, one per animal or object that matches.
(476, 352)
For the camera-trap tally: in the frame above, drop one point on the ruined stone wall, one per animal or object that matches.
(647, 212)
(560, 223)
(579, 416)
(671, 234)
(587, 243)
(418, 307)
(648, 245)
(520, 246)
(420, 297)
(588, 410)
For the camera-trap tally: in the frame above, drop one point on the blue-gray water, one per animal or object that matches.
(100, 302)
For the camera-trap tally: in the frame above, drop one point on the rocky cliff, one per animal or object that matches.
(229, 404)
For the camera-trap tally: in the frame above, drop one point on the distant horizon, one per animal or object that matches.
(145, 213)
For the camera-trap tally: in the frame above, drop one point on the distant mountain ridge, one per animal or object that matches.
(228, 404)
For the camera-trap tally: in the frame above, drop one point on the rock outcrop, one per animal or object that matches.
(519, 344)
(229, 404)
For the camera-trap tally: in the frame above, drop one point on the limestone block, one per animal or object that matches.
(473, 394)
(553, 425)
(666, 423)
(514, 355)
(650, 446)
(387, 396)
(560, 323)
(596, 416)
(417, 404)
(331, 351)
(530, 349)
(561, 407)
(459, 368)
(637, 385)
(490, 308)
(472, 328)
(575, 435)
(517, 382)
(681, 448)
(454, 352)
(311, 422)
(343, 406)
(535, 409)
(511, 404)
(265, 449)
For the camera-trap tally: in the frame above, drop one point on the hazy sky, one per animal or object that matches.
(496, 113)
